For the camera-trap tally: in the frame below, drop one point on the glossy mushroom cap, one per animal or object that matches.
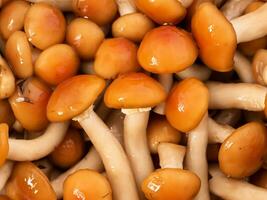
(56, 64)
(85, 36)
(186, 104)
(29, 103)
(242, 153)
(12, 17)
(134, 90)
(162, 11)
(69, 151)
(260, 178)
(44, 25)
(172, 184)
(87, 184)
(101, 12)
(29, 182)
(4, 147)
(215, 37)
(114, 57)
(167, 49)
(259, 66)
(6, 113)
(159, 130)
(132, 26)
(73, 96)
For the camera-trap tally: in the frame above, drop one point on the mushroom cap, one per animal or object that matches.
(4, 147)
(28, 182)
(44, 25)
(73, 96)
(174, 184)
(186, 104)
(87, 184)
(6, 113)
(4, 197)
(259, 66)
(114, 57)
(162, 11)
(18, 54)
(260, 178)
(101, 12)
(29, 104)
(134, 90)
(85, 37)
(132, 26)
(215, 37)
(167, 49)
(241, 154)
(56, 64)
(159, 130)
(12, 17)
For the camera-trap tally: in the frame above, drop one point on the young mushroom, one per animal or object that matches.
(5, 172)
(4, 146)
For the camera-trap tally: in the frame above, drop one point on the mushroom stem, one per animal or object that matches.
(245, 96)
(115, 160)
(64, 5)
(5, 172)
(126, 7)
(196, 156)
(200, 72)
(229, 116)
(171, 155)
(28, 150)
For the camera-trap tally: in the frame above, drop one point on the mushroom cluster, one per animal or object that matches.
(133, 99)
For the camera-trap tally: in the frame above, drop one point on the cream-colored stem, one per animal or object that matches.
(252, 25)
(29, 150)
(64, 5)
(228, 116)
(200, 72)
(112, 154)
(136, 146)
(5, 172)
(166, 81)
(196, 156)
(126, 7)
(246, 96)
(171, 155)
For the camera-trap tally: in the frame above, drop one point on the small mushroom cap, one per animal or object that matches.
(134, 90)
(162, 11)
(172, 184)
(28, 182)
(159, 130)
(4, 197)
(6, 113)
(7, 80)
(132, 26)
(73, 96)
(114, 57)
(215, 37)
(241, 154)
(186, 104)
(167, 49)
(12, 17)
(87, 184)
(101, 12)
(44, 25)
(85, 36)
(4, 147)
(56, 64)
(18, 54)
(260, 178)
(259, 66)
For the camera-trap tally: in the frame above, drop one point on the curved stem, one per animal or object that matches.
(200, 72)
(5, 172)
(126, 7)
(64, 5)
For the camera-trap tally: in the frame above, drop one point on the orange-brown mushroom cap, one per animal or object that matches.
(87, 184)
(242, 153)
(259, 66)
(6, 113)
(4, 197)
(167, 49)
(171, 184)
(134, 90)
(3, 143)
(186, 104)
(215, 37)
(73, 96)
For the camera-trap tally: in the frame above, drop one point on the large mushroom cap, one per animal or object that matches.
(4, 147)
(28, 182)
(187, 103)
(215, 37)
(87, 184)
(172, 184)
(167, 49)
(241, 154)
(74, 96)
(134, 90)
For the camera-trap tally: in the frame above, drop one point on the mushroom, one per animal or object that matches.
(259, 178)
(87, 184)
(4, 146)
(259, 66)
(6, 113)
(4, 197)
(73, 99)
(5, 172)
(198, 71)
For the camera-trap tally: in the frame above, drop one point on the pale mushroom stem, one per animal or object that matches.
(5, 172)
(228, 116)
(136, 146)
(196, 156)
(126, 7)
(64, 5)
(113, 156)
(29, 150)
(198, 71)
(171, 155)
